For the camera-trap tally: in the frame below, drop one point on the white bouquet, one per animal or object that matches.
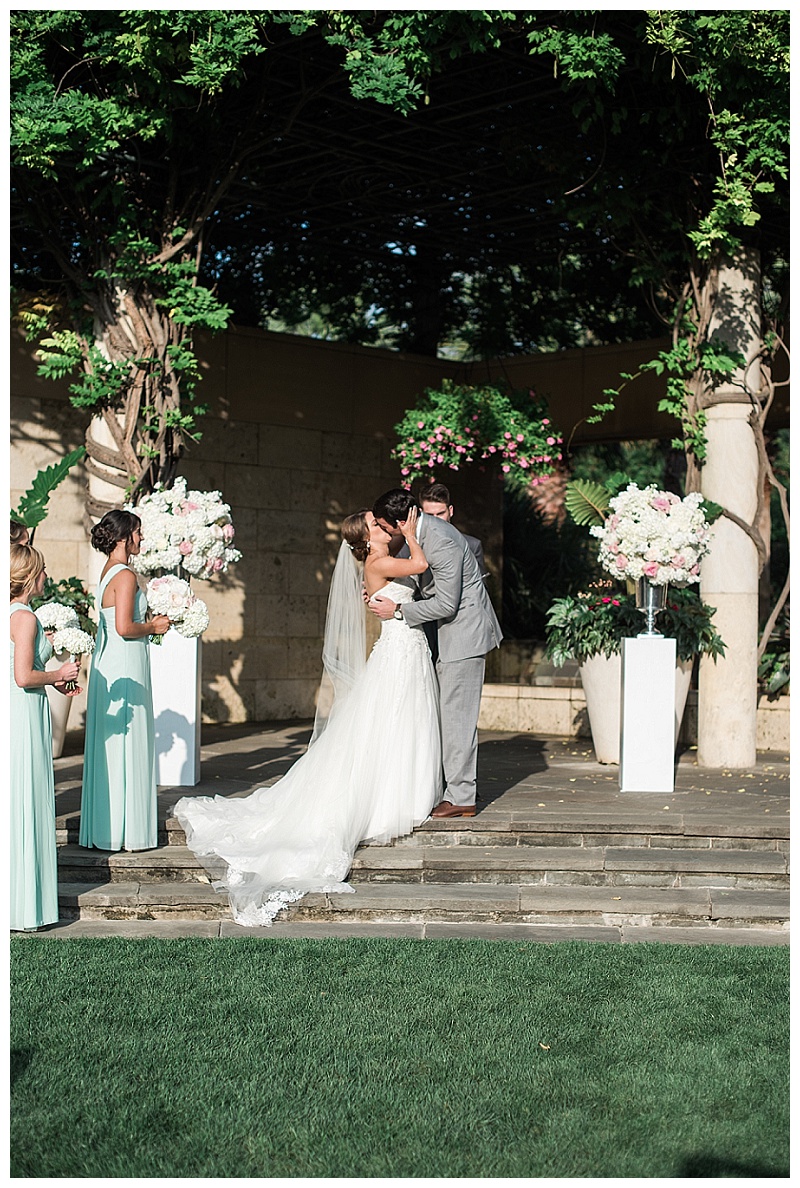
(192, 529)
(173, 597)
(654, 534)
(54, 616)
(77, 643)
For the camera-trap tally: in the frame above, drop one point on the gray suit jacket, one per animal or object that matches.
(453, 594)
(477, 549)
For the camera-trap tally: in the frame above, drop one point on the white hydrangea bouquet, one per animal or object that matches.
(188, 529)
(173, 597)
(75, 642)
(54, 616)
(654, 534)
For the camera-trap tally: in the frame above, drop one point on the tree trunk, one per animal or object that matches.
(135, 441)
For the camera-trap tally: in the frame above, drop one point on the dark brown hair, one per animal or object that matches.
(394, 506)
(17, 529)
(356, 533)
(115, 526)
(435, 493)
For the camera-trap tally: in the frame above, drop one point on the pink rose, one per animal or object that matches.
(420, 424)
(651, 569)
(551, 441)
(622, 561)
(678, 561)
(545, 420)
(520, 437)
(660, 503)
(404, 470)
(186, 547)
(506, 469)
(218, 564)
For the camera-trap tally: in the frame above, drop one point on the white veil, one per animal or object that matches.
(344, 650)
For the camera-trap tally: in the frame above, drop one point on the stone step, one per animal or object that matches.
(166, 864)
(471, 903)
(183, 900)
(588, 830)
(528, 864)
(175, 928)
(595, 865)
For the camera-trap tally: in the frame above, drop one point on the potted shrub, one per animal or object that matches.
(590, 628)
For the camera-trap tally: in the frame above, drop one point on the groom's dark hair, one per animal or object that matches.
(394, 506)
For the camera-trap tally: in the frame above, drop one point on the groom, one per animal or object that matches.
(454, 597)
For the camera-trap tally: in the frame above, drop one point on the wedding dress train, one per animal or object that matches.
(374, 772)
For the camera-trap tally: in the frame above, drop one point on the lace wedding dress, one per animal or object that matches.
(373, 772)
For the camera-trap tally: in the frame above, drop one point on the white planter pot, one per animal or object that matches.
(601, 679)
(59, 707)
(176, 672)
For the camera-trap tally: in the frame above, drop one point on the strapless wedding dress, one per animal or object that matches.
(374, 773)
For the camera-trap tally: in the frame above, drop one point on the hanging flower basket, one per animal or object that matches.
(458, 425)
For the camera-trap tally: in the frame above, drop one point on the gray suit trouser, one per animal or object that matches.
(460, 687)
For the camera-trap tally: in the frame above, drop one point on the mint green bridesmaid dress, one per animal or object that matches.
(32, 847)
(118, 799)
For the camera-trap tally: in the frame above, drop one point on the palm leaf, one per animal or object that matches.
(586, 502)
(32, 507)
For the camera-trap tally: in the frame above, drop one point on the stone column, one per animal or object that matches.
(729, 576)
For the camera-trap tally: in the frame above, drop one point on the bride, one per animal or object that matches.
(373, 766)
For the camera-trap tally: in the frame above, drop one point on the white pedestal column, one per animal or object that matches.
(647, 738)
(176, 670)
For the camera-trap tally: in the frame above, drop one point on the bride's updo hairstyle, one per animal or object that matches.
(115, 526)
(26, 565)
(356, 533)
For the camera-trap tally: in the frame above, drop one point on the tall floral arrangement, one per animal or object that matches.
(459, 424)
(654, 534)
(188, 529)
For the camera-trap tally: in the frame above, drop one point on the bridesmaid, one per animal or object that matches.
(118, 800)
(34, 875)
(19, 533)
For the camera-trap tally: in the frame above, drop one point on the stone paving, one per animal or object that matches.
(550, 790)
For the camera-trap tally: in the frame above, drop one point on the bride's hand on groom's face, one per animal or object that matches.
(408, 527)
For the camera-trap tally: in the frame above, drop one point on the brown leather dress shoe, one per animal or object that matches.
(446, 809)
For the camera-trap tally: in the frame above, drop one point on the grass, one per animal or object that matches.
(374, 1058)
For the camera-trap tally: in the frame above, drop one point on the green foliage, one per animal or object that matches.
(595, 623)
(587, 502)
(774, 671)
(458, 424)
(739, 62)
(32, 507)
(69, 592)
(712, 358)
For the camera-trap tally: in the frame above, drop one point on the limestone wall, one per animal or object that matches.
(298, 435)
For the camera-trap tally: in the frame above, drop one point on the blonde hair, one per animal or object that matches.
(26, 565)
(356, 533)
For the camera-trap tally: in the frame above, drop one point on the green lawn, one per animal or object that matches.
(373, 1058)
